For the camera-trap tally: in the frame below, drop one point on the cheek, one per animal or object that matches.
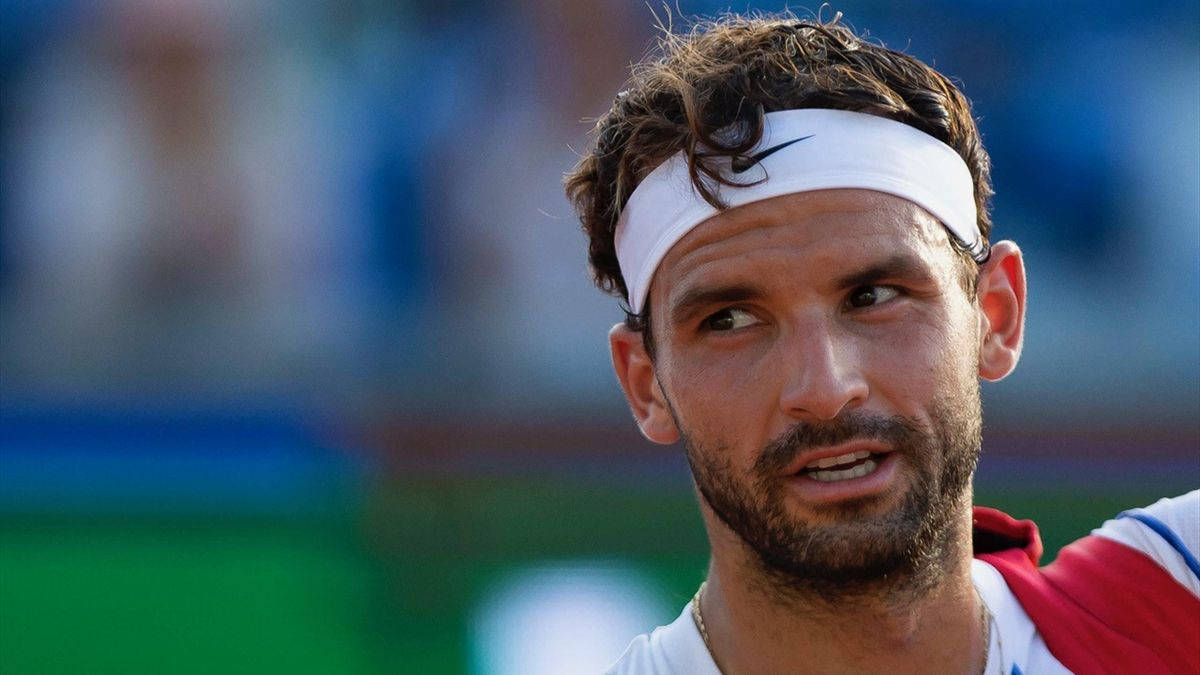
(719, 374)
(723, 400)
(961, 340)
(930, 353)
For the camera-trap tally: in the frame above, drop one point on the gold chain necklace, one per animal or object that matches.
(986, 616)
(985, 619)
(699, 619)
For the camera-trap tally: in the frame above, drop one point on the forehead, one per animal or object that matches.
(827, 229)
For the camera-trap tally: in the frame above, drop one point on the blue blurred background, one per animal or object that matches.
(301, 369)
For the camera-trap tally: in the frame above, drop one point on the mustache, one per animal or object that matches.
(854, 426)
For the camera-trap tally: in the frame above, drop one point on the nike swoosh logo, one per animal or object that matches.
(740, 164)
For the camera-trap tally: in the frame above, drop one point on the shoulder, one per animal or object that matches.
(1110, 599)
(674, 648)
(1167, 532)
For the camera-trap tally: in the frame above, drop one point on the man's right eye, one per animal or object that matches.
(729, 319)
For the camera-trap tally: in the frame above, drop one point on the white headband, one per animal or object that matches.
(800, 150)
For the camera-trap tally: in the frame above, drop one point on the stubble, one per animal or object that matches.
(858, 549)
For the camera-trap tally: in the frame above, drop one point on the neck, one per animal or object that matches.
(934, 626)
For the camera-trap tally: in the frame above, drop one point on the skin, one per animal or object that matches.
(810, 337)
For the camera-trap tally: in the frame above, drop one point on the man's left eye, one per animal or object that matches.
(865, 296)
(729, 319)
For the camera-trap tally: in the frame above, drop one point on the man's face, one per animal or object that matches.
(830, 327)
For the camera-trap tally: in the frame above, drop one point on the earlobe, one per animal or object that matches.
(1002, 308)
(635, 372)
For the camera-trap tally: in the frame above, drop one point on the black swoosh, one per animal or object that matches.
(740, 164)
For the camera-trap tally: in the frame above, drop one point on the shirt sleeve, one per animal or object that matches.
(1167, 532)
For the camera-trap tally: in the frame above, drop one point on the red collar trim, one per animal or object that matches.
(995, 531)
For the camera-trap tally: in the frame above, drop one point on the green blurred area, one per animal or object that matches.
(387, 585)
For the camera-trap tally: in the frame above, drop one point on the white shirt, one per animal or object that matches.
(677, 648)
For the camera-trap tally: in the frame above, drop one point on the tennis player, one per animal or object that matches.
(797, 221)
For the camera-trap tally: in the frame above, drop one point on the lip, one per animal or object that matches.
(879, 481)
(873, 447)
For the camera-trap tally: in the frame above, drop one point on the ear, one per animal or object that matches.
(635, 371)
(1002, 311)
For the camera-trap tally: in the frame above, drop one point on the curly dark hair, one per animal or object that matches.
(704, 92)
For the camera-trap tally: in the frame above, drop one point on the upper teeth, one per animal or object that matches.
(840, 459)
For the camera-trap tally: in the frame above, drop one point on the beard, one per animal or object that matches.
(858, 549)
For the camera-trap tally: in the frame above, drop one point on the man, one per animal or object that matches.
(798, 222)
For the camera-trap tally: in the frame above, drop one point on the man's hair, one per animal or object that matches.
(705, 92)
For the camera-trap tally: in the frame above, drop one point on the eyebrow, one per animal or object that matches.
(899, 266)
(696, 299)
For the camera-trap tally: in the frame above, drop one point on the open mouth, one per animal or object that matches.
(843, 467)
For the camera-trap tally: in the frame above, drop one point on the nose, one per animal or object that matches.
(825, 373)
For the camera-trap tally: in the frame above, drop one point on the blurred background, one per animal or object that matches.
(301, 369)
